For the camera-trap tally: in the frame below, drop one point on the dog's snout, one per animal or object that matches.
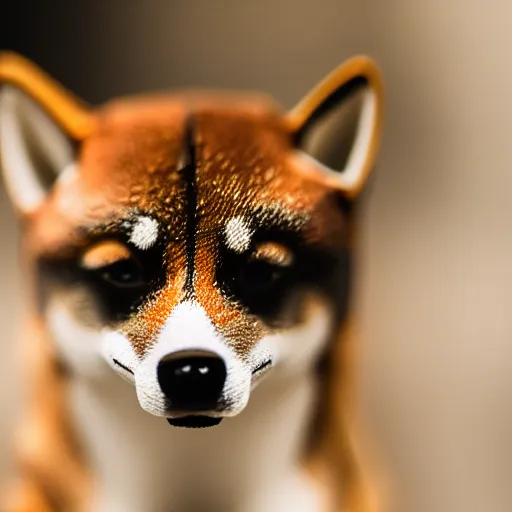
(192, 381)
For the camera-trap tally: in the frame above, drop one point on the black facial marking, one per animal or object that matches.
(262, 366)
(264, 289)
(189, 173)
(121, 365)
(111, 293)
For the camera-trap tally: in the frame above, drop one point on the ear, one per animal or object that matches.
(338, 124)
(40, 126)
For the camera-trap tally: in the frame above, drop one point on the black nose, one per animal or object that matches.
(192, 381)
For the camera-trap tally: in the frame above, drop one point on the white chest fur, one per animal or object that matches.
(246, 464)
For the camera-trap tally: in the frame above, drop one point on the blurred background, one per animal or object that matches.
(435, 273)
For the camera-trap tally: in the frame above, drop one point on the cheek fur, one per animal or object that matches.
(299, 348)
(119, 354)
(78, 346)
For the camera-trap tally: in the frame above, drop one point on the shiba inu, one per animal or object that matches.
(188, 257)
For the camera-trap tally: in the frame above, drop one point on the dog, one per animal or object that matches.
(188, 258)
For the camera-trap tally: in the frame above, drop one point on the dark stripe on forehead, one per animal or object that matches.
(189, 173)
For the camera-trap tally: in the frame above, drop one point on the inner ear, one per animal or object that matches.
(337, 126)
(34, 150)
(330, 135)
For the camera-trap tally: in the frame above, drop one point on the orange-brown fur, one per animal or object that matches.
(130, 151)
(53, 474)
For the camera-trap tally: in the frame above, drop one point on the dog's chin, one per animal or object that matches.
(194, 421)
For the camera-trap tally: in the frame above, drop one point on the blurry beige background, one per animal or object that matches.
(435, 290)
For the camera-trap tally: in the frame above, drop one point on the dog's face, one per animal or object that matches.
(188, 241)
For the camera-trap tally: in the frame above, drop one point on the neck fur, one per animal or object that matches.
(248, 463)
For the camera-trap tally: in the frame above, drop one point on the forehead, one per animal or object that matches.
(144, 156)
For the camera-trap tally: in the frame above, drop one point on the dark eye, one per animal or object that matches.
(113, 262)
(258, 275)
(124, 273)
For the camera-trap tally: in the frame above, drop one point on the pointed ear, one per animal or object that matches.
(40, 126)
(338, 124)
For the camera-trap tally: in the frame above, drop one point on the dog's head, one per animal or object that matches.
(195, 242)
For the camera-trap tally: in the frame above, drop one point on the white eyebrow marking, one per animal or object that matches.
(144, 232)
(238, 235)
